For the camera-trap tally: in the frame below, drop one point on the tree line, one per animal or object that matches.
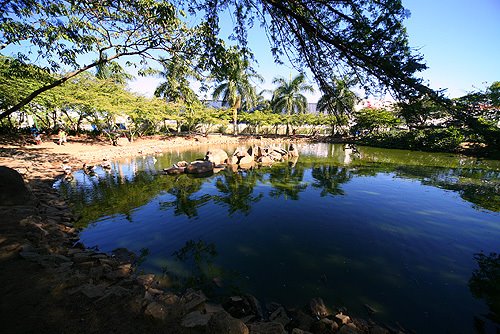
(103, 100)
(345, 44)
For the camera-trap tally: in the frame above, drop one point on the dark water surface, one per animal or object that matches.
(396, 230)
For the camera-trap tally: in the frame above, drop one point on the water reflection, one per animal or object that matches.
(330, 178)
(184, 202)
(485, 282)
(237, 190)
(404, 219)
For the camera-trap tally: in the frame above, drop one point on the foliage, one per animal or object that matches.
(112, 71)
(60, 32)
(478, 114)
(288, 98)
(447, 139)
(234, 81)
(175, 88)
(485, 282)
(373, 120)
(338, 103)
(418, 111)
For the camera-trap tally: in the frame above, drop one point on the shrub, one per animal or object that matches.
(447, 139)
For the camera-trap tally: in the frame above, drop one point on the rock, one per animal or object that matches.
(330, 324)
(292, 151)
(193, 299)
(243, 306)
(378, 330)
(156, 310)
(265, 160)
(93, 291)
(242, 156)
(246, 160)
(123, 255)
(343, 319)
(300, 320)
(195, 319)
(161, 282)
(213, 308)
(280, 316)
(275, 156)
(318, 308)
(13, 191)
(349, 329)
(169, 299)
(217, 156)
(145, 280)
(266, 328)
(299, 331)
(223, 323)
(174, 170)
(200, 167)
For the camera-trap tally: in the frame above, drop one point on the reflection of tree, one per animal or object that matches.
(109, 194)
(287, 181)
(198, 257)
(477, 186)
(329, 179)
(237, 189)
(485, 282)
(183, 189)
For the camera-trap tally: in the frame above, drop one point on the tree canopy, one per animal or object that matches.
(364, 38)
(59, 32)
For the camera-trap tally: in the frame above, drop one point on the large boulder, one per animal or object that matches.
(217, 156)
(200, 167)
(13, 191)
(243, 306)
(266, 328)
(222, 323)
(293, 151)
(242, 156)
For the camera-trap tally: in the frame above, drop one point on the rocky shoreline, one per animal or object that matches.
(51, 283)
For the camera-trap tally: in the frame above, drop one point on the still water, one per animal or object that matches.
(395, 231)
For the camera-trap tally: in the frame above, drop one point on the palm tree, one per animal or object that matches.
(338, 102)
(288, 98)
(111, 70)
(175, 88)
(235, 88)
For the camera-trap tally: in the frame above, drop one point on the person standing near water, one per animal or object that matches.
(62, 137)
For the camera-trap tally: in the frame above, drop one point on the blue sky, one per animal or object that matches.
(460, 41)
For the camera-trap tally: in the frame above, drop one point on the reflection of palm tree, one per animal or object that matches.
(485, 282)
(183, 190)
(287, 181)
(329, 179)
(198, 258)
(237, 189)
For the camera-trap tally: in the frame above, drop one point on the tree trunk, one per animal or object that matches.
(235, 121)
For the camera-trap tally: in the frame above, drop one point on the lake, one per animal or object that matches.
(395, 231)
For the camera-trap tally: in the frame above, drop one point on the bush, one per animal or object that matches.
(438, 140)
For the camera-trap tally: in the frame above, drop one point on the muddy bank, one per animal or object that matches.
(50, 283)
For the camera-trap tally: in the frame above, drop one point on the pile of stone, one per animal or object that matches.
(244, 314)
(217, 159)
